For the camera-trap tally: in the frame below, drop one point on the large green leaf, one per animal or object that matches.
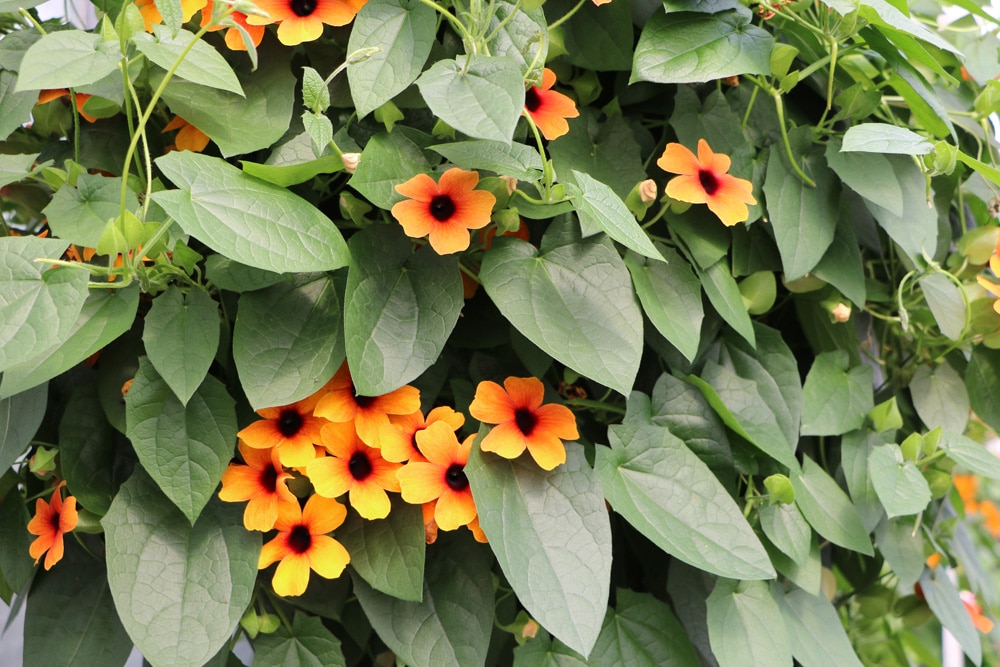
(15, 108)
(552, 538)
(947, 302)
(519, 33)
(603, 147)
(88, 451)
(982, 379)
(200, 64)
(481, 96)
(179, 589)
(181, 335)
(724, 295)
(836, 398)
(745, 625)
(80, 214)
(403, 31)
(971, 454)
(288, 339)
(689, 47)
(75, 599)
(401, 308)
(598, 206)
(943, 599)
(16, 167)
(20, 417)
(788, 530)
(855, 448)
(67, 59)
(38, 304)
(574, 301)
(246, 219)
(306, 644)
(641, 630)
(815, 632)
(903, 549)
(517, 160)
(453, 622)
(868, 173)
(898, 482)
(828, 509)
(841, 265)
(388, 554)
(670, 295)
(184, 448)
(17, 567)
(387, 161)
(884, 138)
(684, 411)
(669, 495)
(595, 38)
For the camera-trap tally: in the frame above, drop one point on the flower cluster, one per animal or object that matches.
(365, 447)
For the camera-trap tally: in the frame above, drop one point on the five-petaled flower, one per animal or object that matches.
(50, 523)
(398, 440)
(549, 109)
(338, 403)
(441, 477)
(293, 429)
(357, 470)
(302, 20)
(703, 180)
(261, 482)
(522, 422)
(445, 211)
(302, 544)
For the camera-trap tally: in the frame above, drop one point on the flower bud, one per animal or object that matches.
(350, 161)
(841, 312)
(511, 184)
(648, 191)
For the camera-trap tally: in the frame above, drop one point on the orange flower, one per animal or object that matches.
(46, 96)
(549, 109)
(989, 285)
(704, 180)
(967, 487)
(302, 544)
(50, 523)
(441, 477)
(398, 440)
(293, 429)
(190, 138)
(357, 470)
(234, 38)
(982, 623)
(444, 211)
(151, 15)
(369, 413)
(991, 517)
(302, 20)
(523, 422)
(262, 482)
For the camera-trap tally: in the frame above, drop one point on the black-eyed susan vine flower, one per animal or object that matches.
(398, 441)
(52, 520)
(303, 544)
(703, 180)
(356, 469)
(292, 429)
(262, 482)
(549, 109)
(151, 15)
(990, 284)
(441, 476)
(369, 414)
(445, 211)
(523, 422)
(189, 137)
(302, 20)
(234, 38)
(46, 96)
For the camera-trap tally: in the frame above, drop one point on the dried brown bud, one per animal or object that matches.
(648, 191)
(350, 161)
(841, 312)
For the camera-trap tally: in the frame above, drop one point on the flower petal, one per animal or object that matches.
(421, 482)
(292, 576)
(526, 392)
(454, 509)
(328, 557)
(370, 500)
(687, 188)
(330, 476)
(323, 515)
(548, 451)
(491, 404)
(678, 159)
(505, 440)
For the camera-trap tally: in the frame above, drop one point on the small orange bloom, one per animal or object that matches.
(549, 109)
(398, 440)
(262, 482)
(302, 20)
(991, 517)
(990, 285)
(522, 422)
(151, 15)
(46, 96)
(189, 138)
(293, 429)
(369, 413)
(982, 623)
(357, 470)
(444, 212)
(302, 544)
(703, 180)
(967, 487)
(441, 477)
(233, 37)
(50, 523)
(933, 560)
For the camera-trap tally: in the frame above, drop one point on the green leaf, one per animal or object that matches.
(75, 599)
(944, 601)
(80, 214)
(599, 206)
(982, 379)
(180, 589)
(903, 549)
(841, 265)
(947, 302)
(401, 308)
(541, 651)
(682, 409)
(670, 295)
(17, 567)
(67, 59)
(172, 13)
(517, 160)
(670, 496)
(596, 38)
(574, 301)
(251, 221)
(724, 295)
(202, 64)
(388, 554)
(642, 630)
(184, 448)
(481, 96)
(689, 47)
(182, 329)
(288, 339)
(828, 509)
(14, 168)
(552, 538)
(898, 483)
(453, 623)
(227, 274)
(836, 398)
(293, 174)
(105, 316)
(519, 33)
(88, 451)
(816, 634)
(306, 644)
(387, 161)
(15, 107)
(712, 120)
(403, 31)
(884, 138)
(855, 448)
(788, 530)
(869, 174)
(982, 168)
(38, 304)
(745, 625)
(970, 454)
(604, 148)
(885, 15)
(20, 417)
(916, 231)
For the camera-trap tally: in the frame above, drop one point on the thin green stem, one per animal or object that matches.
(746, 114)
(595, 405)
(567, 16)
(547, 171)
(76, 126)
(458, 25)
(31, 19)
(780, 106)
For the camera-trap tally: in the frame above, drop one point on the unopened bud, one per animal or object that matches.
(841, 312)
(362, 55)
(350, 161)
(530, 629)
(511, 183)
(127, 385)
(648, 191)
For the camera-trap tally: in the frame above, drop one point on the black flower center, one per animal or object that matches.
(525, 420)
(532, 100)
(289, 422)
(442, 207)
(299, 540)
(708, 181)
(303, 7)
(269, 478)
(413, 442)
(55, 521)
(364, 401)
(360, 466)
(455, 478)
